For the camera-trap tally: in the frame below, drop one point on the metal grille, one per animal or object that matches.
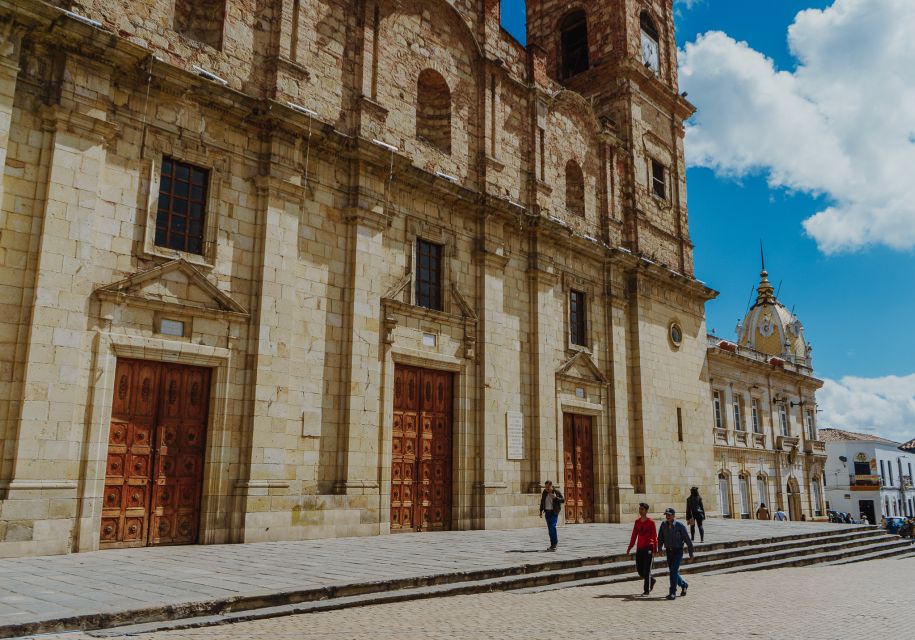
(577, 323)
(428, 275)
(181, 214)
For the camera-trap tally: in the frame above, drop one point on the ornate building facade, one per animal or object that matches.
(289, 269)
(763, 392)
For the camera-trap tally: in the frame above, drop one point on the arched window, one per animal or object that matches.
(762, 490)
(724, 495)
(575, 189)
(201, 20)
(651, 48)
(744, 496)
(433, 110)
(815, 495)
(574, 44)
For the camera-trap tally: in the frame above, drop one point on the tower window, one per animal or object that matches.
(577, 323)
(201, 20)
(433, 110)
(651, 57)
(658, 179)
(182, 206)
(574, 42)
(575, 189)
(429, 275)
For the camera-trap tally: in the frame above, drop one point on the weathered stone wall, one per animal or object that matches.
(302, 299)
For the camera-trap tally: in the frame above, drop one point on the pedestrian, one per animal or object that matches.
(673, 535)
(550, 507)
(763, 512)
(864, 519)
(645, 539)
(781, 516)
(695, 514)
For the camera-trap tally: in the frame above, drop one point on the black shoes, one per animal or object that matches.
(551, 549)
(671, 596)
(683, 592)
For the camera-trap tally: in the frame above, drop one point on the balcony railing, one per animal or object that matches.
(814, 446)
(857, 480)
(786, 442)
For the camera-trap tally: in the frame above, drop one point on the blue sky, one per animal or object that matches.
(788, 148)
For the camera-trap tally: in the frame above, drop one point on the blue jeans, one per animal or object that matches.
(674, 560)
(551, 519)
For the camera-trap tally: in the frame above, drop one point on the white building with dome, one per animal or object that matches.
(763, 395)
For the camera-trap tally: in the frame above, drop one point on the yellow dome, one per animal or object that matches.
(771, 329)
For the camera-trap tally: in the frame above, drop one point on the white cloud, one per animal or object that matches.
(842, 124)
(880, 406)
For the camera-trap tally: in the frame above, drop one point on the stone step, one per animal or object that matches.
(872, 546)
(533, 574)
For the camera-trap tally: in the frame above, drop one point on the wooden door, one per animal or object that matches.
(579, 468)
(156, 448)
(421, 465)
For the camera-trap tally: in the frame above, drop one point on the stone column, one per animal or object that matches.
(545, 333)
(622, 489)
(275, 421)
(41, 500)
(10, 42)
(358, 456)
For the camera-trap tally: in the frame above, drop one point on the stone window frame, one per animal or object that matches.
(718, 414)
(434, 235)
(646, 15)
(756, 422)
(564, 26)
(574, 283)
(159, 147)
(724, 474)
(653, 165)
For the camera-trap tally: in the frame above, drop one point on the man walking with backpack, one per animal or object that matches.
(673, 535)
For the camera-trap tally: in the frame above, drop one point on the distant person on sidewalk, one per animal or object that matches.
(550, 507)
(645, 539)
(781, 516)
(763, 512)
(673, 535)
(695, 514)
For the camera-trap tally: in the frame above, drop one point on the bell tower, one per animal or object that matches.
(621, 56)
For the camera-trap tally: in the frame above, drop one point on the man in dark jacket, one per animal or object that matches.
(673, 535)
(550, 507)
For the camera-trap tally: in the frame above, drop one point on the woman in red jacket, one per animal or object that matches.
(645, 539)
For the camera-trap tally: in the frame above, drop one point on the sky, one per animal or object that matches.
(804, 139)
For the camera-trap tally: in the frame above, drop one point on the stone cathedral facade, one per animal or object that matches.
(285, 269)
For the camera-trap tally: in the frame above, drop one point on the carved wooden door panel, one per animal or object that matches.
(578, 468)
(125, 502)
(155, 454)
(403, 459)
(180, 441)
(421, 451)
(435, 452)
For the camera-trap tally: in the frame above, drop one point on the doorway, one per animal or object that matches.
(156, 450)
(794, 501)
(866, 509)
(579, 467)
(421, 460)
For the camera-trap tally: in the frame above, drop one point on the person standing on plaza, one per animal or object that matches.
(645, 539)
(763, 512)
(695, 514)
(672, 535)
(550, 507)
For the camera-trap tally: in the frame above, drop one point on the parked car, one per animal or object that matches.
(894, 524)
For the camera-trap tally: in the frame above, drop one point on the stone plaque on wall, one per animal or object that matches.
(514, 424)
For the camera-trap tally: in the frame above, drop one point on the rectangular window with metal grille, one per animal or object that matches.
(717, 401)
(755, 406)
(577, 318)
(428, 275)
(738, 411)
(181, 213)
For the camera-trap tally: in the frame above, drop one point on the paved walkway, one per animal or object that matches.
(868, 599)
(49, 587)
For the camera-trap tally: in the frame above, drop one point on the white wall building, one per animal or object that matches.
(868, 475)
